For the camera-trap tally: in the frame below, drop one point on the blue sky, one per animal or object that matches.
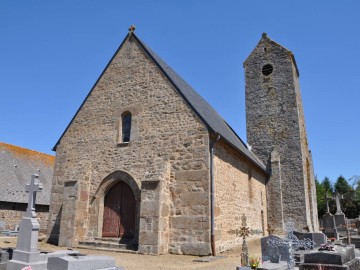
(52, 52)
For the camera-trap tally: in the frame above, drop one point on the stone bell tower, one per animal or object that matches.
(277, 135)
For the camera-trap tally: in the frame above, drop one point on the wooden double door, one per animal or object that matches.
(119, 212)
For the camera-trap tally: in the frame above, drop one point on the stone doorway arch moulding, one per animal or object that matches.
(98, 203)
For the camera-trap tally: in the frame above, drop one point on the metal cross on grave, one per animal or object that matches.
(337, 196)
(244, 231)
(291, 242)
(32, 188)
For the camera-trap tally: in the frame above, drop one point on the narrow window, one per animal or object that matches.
(126, 127)
(250, 187)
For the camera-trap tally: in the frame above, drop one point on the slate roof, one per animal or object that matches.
(204, 110)
(16, 167)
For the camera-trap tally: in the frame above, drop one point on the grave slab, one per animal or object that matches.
(243, 268)
(343, 258)
(82, 262)
(273, 266)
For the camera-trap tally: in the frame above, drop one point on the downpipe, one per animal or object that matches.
(212, 193)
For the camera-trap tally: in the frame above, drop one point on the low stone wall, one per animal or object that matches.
(12, 213)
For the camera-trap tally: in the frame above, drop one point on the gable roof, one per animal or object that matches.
(266, 39)
(214, 122)
(16, 167)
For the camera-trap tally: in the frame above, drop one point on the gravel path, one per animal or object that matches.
(228, 260)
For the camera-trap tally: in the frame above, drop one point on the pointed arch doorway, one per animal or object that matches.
(119, 212)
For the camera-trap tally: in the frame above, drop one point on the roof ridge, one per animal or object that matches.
(8, 145)
(26, 153)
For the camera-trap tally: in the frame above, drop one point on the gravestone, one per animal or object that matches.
(329, 225)
(82, 262)
(340, 219)
(4, 258)
(26, 252)
(268, 250)
(292, 243)
(342, 258)
(317, 238)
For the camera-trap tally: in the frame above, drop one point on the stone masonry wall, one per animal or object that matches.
(12, 214)
(167, 158)
(239, 189)
(275, 122)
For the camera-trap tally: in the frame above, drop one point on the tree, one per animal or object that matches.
(326, 183)
(320, 197)
(349, 204)
(342, 186)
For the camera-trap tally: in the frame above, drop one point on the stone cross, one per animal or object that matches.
(327, 203)
(32, 188)
(292, 242)
(337, 196)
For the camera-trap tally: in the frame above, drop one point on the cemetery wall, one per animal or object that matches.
(239, 189)
(12, 214)
(167, 157)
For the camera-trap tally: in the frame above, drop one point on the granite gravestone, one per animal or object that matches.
(292, 243)
(317, 238)
(340, 219)
(27, 256)
(267, 250)
(26, 252)
(342, 258)
(328, 220)
(82, 262)
(4, 258)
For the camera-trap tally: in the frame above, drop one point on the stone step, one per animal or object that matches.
(108, 249)
(116, 240)
(100, 244)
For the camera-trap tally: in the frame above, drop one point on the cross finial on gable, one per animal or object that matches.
(132, 28)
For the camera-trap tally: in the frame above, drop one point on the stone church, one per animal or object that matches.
(147, 164)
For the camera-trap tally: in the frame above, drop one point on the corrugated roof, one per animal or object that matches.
(17, 164)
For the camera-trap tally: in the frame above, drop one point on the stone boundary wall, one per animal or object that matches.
(12, 213)
(239, 189)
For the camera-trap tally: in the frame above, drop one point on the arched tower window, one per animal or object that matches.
(126, 126)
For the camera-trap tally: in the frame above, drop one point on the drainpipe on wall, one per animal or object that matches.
(212, 195)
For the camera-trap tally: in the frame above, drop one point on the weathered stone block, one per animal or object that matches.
(149, 238)
(192, 175)
(189, 222)
(194, 198)
(149, 209)
(200, 249)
